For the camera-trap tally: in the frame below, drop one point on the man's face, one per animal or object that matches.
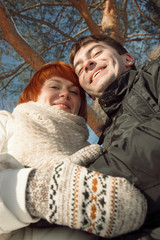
(98, 65)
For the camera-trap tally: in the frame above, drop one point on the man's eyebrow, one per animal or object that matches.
(87, 54)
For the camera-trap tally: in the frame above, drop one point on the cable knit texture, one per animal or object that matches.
(44, 135)
(87, 200)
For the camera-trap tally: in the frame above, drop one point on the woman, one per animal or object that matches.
(49, 125)
(62, 192)
(50, 122)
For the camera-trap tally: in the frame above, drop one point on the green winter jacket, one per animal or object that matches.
(131, 140)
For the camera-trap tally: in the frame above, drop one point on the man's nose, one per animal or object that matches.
(89, 65)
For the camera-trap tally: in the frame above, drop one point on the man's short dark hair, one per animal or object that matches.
(96, 38)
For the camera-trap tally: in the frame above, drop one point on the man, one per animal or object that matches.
(131, 100)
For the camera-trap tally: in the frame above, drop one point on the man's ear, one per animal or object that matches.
(128, 60)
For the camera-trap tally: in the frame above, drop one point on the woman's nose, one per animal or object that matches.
(65, 94)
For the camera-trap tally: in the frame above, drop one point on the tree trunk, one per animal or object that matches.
(111, 21)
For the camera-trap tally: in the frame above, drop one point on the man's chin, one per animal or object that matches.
(96, 95)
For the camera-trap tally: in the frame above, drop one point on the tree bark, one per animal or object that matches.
(93, 121)
(111, 21)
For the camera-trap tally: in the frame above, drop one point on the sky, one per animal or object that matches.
(92, 136)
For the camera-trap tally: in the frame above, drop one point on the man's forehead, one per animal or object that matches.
(89, 46)
(86, 50)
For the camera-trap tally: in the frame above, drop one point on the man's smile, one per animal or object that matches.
(96, 73)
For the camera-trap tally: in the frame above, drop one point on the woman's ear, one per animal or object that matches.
(128, 60)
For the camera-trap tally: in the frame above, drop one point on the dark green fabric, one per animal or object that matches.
(132, 141)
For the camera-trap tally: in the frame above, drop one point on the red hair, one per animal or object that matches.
(59, 69)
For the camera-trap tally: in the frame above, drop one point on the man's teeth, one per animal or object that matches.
(96, 73)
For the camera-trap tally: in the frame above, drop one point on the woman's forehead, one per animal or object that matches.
(60, 80)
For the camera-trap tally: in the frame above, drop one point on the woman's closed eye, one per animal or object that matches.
(75, 92)
(55, 87)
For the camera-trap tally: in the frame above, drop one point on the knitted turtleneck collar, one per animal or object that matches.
(44, 112)
(41, 131)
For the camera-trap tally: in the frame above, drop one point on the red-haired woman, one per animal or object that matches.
(47, 132)
(49, 122)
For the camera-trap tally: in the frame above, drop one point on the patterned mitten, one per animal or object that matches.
(79, 198)
(86, 155)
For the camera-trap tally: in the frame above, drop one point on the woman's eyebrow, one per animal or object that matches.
(54, 80)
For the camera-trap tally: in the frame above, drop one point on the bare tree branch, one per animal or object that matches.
(82, 7)
(144, 15)
(13, 72)
(44, 23)
(125, 19)
(12, 36)
(143, 34)
(10, 80)
(140, 39)
(44, 4)
(65, 4)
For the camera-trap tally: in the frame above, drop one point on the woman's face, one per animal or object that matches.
(61, 93)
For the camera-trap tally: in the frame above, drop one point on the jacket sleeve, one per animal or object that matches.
(13, 213)
(3, 122)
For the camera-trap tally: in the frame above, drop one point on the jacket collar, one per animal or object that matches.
(112, 97)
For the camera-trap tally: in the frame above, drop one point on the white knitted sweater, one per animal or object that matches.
(44, 135)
